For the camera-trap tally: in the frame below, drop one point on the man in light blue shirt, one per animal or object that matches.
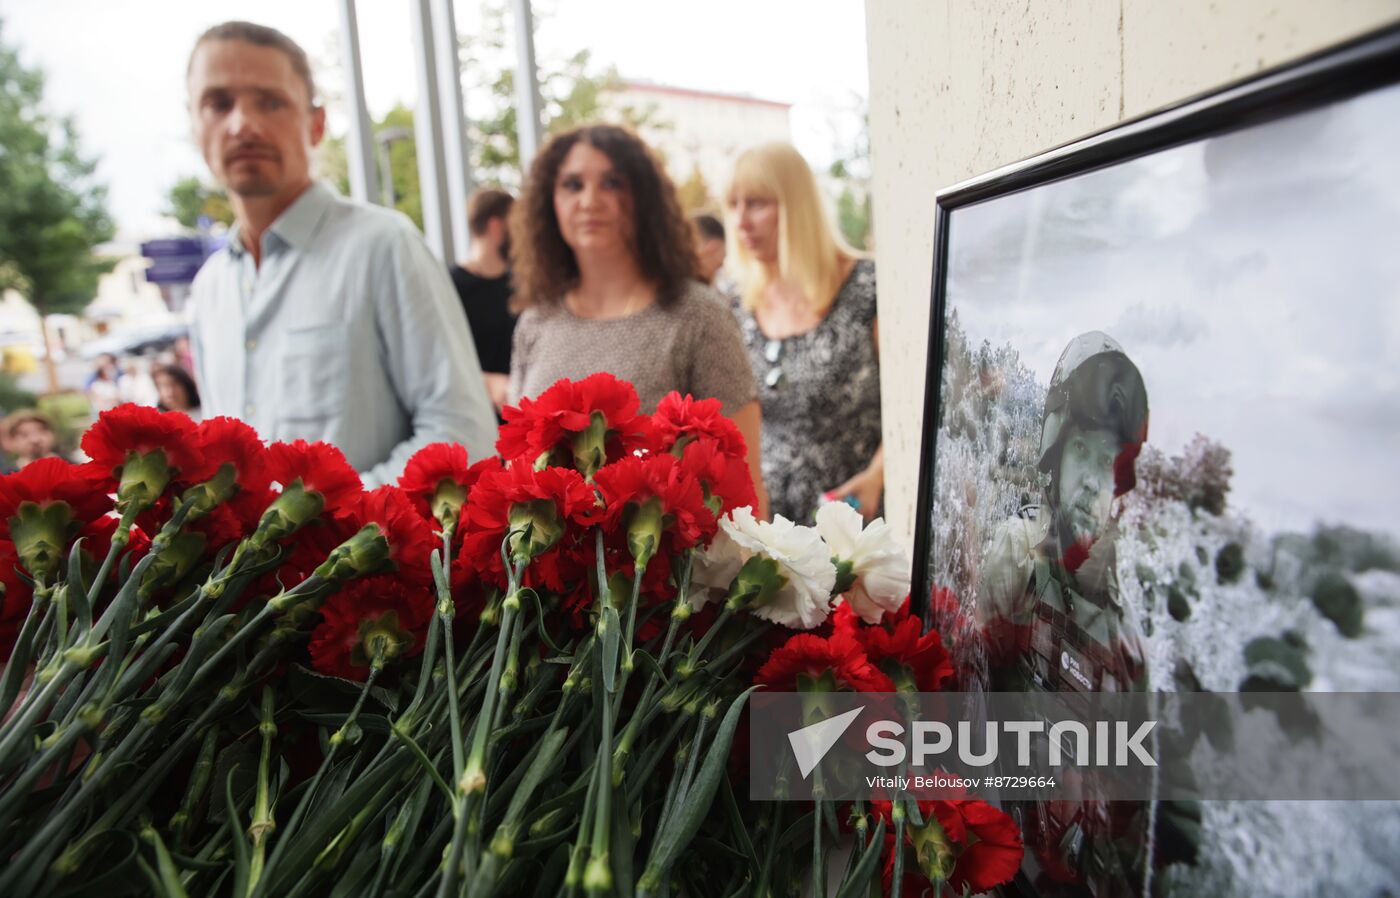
(322, 319)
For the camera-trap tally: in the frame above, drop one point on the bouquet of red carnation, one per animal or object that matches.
(230, 668)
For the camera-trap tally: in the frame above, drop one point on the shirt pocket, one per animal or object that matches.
(313, 362)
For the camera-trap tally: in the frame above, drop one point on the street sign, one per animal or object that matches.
(174, 260)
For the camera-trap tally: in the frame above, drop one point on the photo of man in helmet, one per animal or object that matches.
(1050, 606)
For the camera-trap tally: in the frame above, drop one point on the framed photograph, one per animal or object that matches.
(1161, 449)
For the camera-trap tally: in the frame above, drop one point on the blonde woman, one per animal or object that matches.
(807, 311)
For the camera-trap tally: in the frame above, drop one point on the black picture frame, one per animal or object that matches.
(1339, 73)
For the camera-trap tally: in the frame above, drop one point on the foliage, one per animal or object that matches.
(1199, 476)
(191, 199)
(694, 193)
(572, 91)
(52, 212)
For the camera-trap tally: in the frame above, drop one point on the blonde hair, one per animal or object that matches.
(811, 253)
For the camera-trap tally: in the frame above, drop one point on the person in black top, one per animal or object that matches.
(483, 283)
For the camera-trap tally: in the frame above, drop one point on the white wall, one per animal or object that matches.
(960, 87)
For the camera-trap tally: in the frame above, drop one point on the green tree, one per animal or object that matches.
(53, 214)
(694, 193)
(572, 91)
(851, 171)
(191, 198)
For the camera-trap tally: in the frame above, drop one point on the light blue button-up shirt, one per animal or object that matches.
(348, 332)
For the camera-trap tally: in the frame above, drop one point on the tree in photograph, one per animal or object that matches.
(53, 214)
(694, 193)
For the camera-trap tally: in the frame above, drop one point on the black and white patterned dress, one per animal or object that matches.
(820, 393)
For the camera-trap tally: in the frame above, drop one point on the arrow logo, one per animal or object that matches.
(811, 743)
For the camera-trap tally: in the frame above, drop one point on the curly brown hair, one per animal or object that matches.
(543, 265)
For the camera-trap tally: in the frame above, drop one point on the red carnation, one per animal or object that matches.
(986, 846)
(727, 481)
(680, 420)
(321, 468)
(226, 440)
(809, 657)
(141, 429)
(582, 424)
(409, 537)
(627, 484)
(564, 506)
(912, 659)
(438, 479)
(382, 614)
(50, 480)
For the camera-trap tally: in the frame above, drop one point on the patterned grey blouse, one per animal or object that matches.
(820, 393)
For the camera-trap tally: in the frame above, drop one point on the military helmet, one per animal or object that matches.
(1098, 387)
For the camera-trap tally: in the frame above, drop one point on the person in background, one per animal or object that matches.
(184, 356)
(29, 436)
(605, 276)
(136, 384)
(807, 313)
(483, 284)
(321, 319)
(103, 385)
(177, 390)
(709, 246)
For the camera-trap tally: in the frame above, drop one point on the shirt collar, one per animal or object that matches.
(297, 223)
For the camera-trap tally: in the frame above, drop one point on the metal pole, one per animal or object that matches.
(527, 84)
(427, 127)
(454, 125)
(359, 145)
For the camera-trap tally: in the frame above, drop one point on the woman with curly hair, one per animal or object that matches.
(807, 312)
(605, 268)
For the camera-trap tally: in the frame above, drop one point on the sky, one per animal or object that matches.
(1252, 278)
(118, 67)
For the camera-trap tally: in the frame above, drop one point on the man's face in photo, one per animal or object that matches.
(252, 118)
(1086, 481)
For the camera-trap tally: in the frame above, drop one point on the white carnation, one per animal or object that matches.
(802, 557)
(879, 563)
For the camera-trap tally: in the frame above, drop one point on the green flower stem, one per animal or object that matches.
(263, 822)
(738, 649)
(13, 677)
(770, 850)
(573, 878)
(120, 539)
(688, 664)
(471, 784)
(184, 818)
(897, 812)
(597, 877)
(644, 709)
(648, 762)
(818, 854)
(336, 740)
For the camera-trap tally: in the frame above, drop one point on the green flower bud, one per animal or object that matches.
(382, 640)
(144, 479)
(213, 492)
(845, 575)
(288, 513)
(936, 854)
(364, 553)
(757, 583)
(534, 527)
(590, 446)
(645, 524)
(174, 561)
(39, 534)
(446, 504)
